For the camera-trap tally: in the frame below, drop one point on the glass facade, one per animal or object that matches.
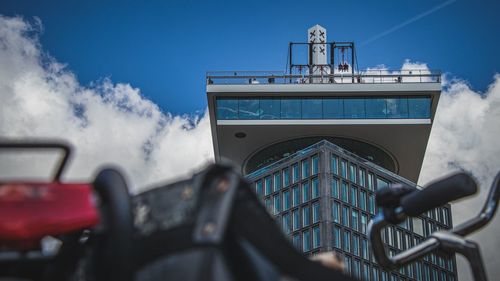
(326, 207)
(243, 108)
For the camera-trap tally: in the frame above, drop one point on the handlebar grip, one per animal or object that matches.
(438, 193)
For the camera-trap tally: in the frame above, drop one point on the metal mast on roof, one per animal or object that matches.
(319, 49)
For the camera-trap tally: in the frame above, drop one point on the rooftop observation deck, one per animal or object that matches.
(369, 76)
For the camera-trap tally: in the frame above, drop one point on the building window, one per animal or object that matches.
(248, 109)
(418, 226)
(370, 181)
(316, 237)
(286, 200)
(381, 183)
(286, 223)
(315, 188)
(306, 241)
(277, 181)
(306, 216)
(399, 240)
(295, 219)
(345, 192)
(286, 177)
(295, 173)
(335, 188)
(336, 237)
(305, 192)
(356, 269)
(227, 109)
(291, 108)
(316, 212)
(362, 177)
(376, 108)
(362, 200)
(336, 212)
(323, 108)
(390, 237)
(270, 108)
(267, 185)
(352, 173)
(268, 204)
(335, 164)
(364, 248)
(366, 272)
(343, 168)
(276, 204)
(376, 274)
(258, 188)
(354, 108)
(371, 204)
(384, 276)
(397, 108)
(354, 196)
(419, 107)
(296, 196)
(346, 243)
(315, 164)
(312, 108)
(347, 261)
(446, 218)
(305, 169)
(297, 241)
(345, 216)
(355, 245)
(355, 219)
(364, 223)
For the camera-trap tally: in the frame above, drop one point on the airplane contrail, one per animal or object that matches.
(407, 22)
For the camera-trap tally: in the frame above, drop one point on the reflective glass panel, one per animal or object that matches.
(315, 188)
(248, 109)
(333, 108)
(316, 212)
(286, 200)
(286, 177)
(336, 237)
(267, 185)
(335, 188)
(397, 108)
(277, 181)
(419, 107)
(306, 241)
(336, 212)
(354, 108)
(227, 109)
(306, 216)
(305, 192)
(258, 188)
(291, 109)
(296, 196)
(315, 164)
(335, 164)
(270, 109)
(312, 109)
(376, 108)
(316, 237)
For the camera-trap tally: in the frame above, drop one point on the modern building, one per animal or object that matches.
(317, 142)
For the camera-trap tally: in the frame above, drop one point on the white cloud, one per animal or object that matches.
(106, 123)
(465, 136)
(113, 123)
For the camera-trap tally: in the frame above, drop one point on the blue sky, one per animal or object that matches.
(165, 47)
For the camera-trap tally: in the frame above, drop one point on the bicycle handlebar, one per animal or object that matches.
(438, 193)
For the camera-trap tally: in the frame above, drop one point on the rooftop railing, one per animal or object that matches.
(378, 76)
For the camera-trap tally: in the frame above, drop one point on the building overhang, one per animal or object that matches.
(405, 140)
